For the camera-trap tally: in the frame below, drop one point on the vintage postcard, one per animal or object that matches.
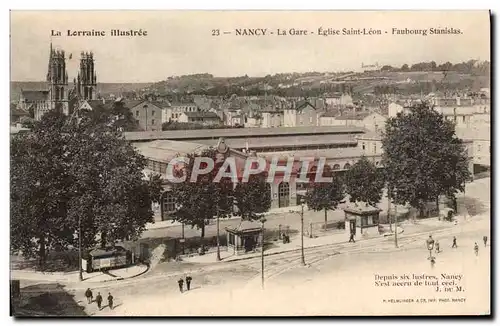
(250, 163)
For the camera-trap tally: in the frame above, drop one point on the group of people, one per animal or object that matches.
(188, 283)
(454, 244)
(98, 299)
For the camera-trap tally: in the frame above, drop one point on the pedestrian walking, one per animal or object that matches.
(89, 295)
(476, 248)
(485, 240)
(351, 238)
(110, 301)
(454, 245)
(181, 284)
(437, 247)
(188, 282)
(98, 299)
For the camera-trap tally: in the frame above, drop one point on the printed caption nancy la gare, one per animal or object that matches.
(100, 33)
(329, 31)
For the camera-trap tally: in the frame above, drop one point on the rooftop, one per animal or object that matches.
(356, 116)
(202, 114)
(165, 150)
(346, 152)
(240, 133)
(362, 209)
(246, 226)
(283, 141)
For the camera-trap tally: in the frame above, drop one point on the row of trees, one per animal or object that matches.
(71, 173)
(466, 67)
(423, 159)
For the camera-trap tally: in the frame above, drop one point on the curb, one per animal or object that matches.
(89, 282)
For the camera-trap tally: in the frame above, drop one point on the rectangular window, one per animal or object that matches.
(153, 113)
(463, 119)
(168, 205)
(163, 168)
(364, 146)
(374, 148)
(137, 113)
(153, 121)
(478, 148)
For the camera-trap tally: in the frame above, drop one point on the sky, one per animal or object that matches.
(181, 42)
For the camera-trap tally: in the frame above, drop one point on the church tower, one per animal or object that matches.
(86, 82)
(57, 78)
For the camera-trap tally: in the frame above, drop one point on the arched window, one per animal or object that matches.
(347, 166)
(336, 167)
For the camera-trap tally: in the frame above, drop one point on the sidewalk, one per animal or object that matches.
(333, 238)
(170, 223)
(90, 278)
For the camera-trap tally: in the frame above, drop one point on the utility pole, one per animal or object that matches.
(396, 225)
(263, 220)
(80, 248)
(302, 232)
(183, 239)
(218, 243)
(389, 208)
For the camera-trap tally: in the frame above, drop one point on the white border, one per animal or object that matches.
(217, 5)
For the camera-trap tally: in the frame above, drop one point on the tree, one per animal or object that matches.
(68, 173)
(423, 157)
(202, 199)
(325, 196)
(252, 198)
(405, 67)
(364, 182)
(39, 189)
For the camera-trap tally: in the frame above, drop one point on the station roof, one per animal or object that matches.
(239, 133)
(283, 141)
(165, 150)
(326, 153)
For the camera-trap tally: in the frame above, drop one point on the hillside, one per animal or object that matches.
(420, 77)
(102, 88)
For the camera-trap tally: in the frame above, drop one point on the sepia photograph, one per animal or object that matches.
(189, 163)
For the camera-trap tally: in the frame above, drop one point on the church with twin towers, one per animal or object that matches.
(58, 94)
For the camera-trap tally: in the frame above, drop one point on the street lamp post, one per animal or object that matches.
(80, 248)
(302, 232)
(263, 220)
(218, 242)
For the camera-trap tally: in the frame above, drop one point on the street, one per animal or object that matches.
(336, 275)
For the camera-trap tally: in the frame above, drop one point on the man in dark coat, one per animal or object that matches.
(110, 301)
(89, 295)
(98, 299)
(485, 240)
(188, 282)
(181, 283)
(351, 238)
(454, 245)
